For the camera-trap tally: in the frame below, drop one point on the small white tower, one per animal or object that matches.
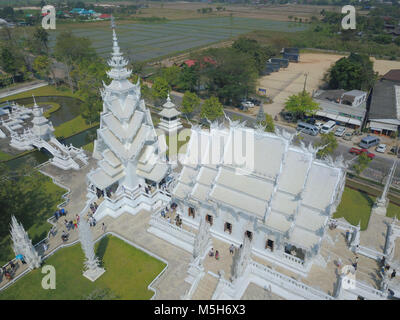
(170, 121)
(42, 127)
(22, 245)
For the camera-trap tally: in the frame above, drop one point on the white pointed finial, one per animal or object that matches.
(34, 101)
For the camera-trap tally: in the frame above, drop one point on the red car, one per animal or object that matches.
(358, 151)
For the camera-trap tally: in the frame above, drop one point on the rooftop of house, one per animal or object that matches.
(392, 75)
(383, 102)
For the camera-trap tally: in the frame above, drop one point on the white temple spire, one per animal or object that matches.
(22, 245)
(382, 202)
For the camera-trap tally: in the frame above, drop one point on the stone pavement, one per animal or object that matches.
(255, 292)
(374, 237)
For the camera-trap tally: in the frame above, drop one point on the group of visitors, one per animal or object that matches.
(99, 193)
(216, 255)
(333, 225)
(178, 220)
(60, 213)
(385, 268)
(8, 273)
(72, 224)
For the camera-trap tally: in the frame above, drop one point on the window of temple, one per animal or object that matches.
(249, 235)
(269, 245)
(228, 227)
(191, 212)
(209, 219)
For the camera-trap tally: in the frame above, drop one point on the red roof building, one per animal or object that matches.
(192, 62)
(105, 16)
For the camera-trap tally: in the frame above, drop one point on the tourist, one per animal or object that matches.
(53, 231)
(90, 221)
(163, 213)
(216, 255)
(211, 253)
(12, 266)
(56, 215)
(75, 224)
(232, 249)
(348, 236)
(94, 222)
(383, 261)
(63, 212)
(45, 246)
(77, 218)
(339, 263)
(393, 274)
(103, 227)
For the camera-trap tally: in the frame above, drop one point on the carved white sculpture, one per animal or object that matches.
(241, 259)
(92, 264)
(382, 202)
(203, 239)
(23, 245)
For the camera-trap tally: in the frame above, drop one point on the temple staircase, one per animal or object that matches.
(205, 288)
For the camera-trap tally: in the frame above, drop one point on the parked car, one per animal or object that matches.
(358, 151)
(255, 101)
(288, 116)
(319, 125)
(369, 141)
(348, 136)
(328, 127)
(248, 104)
(307, 128)
(310, 120)
(340, 131)
(381, 148)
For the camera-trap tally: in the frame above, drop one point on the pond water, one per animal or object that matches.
(70, 107)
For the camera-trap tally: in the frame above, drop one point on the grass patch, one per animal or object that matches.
(40, 207)
(89, 147)
(5, 156)
(72, 127)
(128, 273)
(356, 205)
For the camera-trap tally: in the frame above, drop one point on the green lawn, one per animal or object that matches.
(73, 126)
(89, 147)
(128, 273)
(40, 203)
(356, 206)
(5, 156)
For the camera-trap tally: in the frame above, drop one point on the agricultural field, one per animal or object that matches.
(143, 41)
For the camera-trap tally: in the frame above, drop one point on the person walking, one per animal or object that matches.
(77, 218)
(393, 274)
(216, 255)
(103, 227)
(75, 224)
(232, 249)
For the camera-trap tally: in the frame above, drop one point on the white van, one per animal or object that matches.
(328, 126)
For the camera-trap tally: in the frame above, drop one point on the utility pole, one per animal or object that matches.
(305, 81)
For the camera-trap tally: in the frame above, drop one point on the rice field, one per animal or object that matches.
(142, 41)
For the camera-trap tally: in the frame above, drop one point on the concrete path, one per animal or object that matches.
(26, 87)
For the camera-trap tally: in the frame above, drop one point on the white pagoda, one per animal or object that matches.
(127, 148)
(170, 121)
(42, 127)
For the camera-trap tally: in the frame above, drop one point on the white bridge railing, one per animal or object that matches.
(287, 283)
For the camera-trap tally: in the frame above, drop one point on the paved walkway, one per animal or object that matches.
(22, 88)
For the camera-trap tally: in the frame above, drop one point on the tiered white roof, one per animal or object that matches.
(42, 127)
(127, 146)
(282, 186)
(169, 109)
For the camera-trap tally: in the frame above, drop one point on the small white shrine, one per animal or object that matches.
(170, 121)
(42, 127)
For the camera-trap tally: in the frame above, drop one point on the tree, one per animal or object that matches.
(42, 66)
(9, 62)
(190, 103)
(189, 78)
(171, 75)
(211, 109)
(160, 88)
(91, 107)
(352, 72)
(269, 123)
(41, 36)
(259, 54)
(362, 163)
(329, 142)
(231, 76)
(301, 104)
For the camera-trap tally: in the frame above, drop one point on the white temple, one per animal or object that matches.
(170, 121)
(281, 197)
(127, 148)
